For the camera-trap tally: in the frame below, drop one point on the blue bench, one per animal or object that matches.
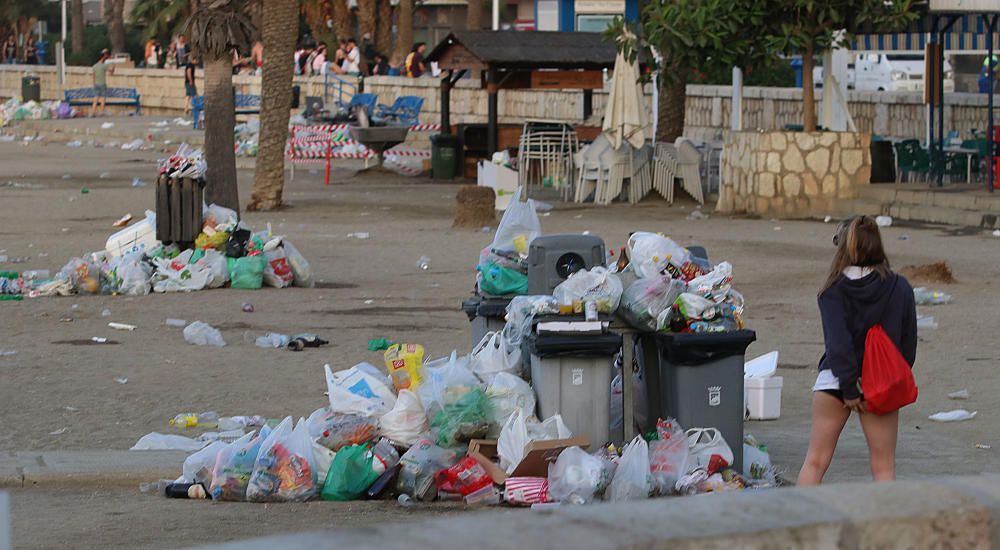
(367, 101)
(245, 105)
(115, 96)
(405, 111)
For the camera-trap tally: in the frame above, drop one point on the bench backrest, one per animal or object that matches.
(88, 93)
(366, 100)
(245, 101)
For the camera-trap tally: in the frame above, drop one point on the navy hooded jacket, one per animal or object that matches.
(849, 308)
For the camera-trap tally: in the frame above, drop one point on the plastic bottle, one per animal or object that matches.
(228, 423)
(386, 456)
(179, 323)
(677, 321)
(208, 419)
(271, 340)
(405, 501)
(185, 490)
(927, 297)
(424, 263)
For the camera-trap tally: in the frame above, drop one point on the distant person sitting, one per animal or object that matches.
(415, 61)
(379, 66)
(10, 50)
(985, 86)
(101, 71)
(190, 89)
(31, 52)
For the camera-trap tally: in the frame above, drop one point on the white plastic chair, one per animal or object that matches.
(641, 181)
(588, 164)
(689, 164)
(665, 170)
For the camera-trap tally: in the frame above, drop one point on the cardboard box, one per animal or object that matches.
(537, 456)
(503, 180)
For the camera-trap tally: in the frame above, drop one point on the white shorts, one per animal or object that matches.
(826, 381)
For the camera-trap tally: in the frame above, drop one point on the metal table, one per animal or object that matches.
(969, 153)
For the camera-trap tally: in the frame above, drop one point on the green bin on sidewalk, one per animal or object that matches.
(444, 156)
(31, 88)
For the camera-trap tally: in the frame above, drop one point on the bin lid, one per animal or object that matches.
(574, 345)
(493, 307)
(444, 140)
(702, 348)
(471, 306)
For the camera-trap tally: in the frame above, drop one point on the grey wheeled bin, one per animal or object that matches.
(698, 379)
(486, 315)
(571, 375)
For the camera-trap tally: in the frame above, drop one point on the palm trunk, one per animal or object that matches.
(114, 17)
(808, 92)
(366, 18)
(220, 118)
(383, 27)
(670, 111)
(78, 39)
(474, 15)
(404, 31)
(341, 21)
(279, 32)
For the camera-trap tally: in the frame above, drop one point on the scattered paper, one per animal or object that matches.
(60, 431)
(122, 326)
(956, 415)
(960, 394)
(121, 380)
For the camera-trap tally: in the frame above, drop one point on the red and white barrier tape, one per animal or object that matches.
(421, 153)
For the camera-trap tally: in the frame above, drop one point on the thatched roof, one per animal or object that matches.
(531, 49)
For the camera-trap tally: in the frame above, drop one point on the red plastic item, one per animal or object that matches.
(996, 172)
(886, 378)
(465, 477)
(716, 464)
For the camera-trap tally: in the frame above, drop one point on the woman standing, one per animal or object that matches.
(861, 291)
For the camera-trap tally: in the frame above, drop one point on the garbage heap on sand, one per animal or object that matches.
(470, 427)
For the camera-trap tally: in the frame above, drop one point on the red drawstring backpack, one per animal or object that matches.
(886, 378)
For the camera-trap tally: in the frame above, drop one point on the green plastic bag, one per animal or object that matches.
(247, 272)
(350, 474)
(500, 281)
(467, 418)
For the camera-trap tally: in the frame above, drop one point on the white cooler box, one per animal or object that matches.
(763, 397)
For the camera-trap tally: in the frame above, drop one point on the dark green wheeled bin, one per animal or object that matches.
(31, 88)
(444, 156)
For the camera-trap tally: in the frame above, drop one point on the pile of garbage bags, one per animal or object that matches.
(14, 109)
(443, 432)
(503, 265)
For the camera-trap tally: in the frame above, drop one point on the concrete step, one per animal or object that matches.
(950, 206)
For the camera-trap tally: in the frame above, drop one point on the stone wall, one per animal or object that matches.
(792, 174)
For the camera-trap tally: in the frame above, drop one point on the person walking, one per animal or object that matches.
(190, 89)
(414, 65)
(985, 86)
(181, 48)
(10, 50)
(101, 71)
(861, 291)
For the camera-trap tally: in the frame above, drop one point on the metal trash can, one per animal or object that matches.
(698, 379)
(486, 315)
(444, 156)
(571, 376)
(31, 88)
(179, 204)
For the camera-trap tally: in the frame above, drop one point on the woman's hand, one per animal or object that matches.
(856, 405)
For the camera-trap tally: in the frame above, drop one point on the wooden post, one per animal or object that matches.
(492, 106)
(446, 102)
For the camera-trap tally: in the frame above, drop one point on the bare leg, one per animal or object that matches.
(829, 417)
(93, 108)
(103, 102)
(881, 433)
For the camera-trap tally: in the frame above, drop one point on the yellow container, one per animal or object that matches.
(406, 365)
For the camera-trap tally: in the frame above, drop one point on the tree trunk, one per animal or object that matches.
(808, 91)
(474, 15)
(366, 18)
(192, 6)
(279, 33)
(220, 118)
(383, 27)
(114, 18)
(341, 22)
(404, 31)
(78, 39)
(670, 111)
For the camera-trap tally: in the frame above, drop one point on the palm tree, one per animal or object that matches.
(114, 18)
(279, 31)
(383, 27)
(341, 19)
(404, 36)
(366, 18)
(76, 15)
(317, 13)
(163, 18)
(216, 29)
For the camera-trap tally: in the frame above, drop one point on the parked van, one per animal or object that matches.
(888, 73)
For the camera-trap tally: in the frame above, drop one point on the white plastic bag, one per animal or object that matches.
(234, 465)
(277, 272)
(203, 334)
(702, 444)
(509, 393)
(407, 421)
(355, 391)
(518, 227)
(219, 218)
(322, 458)
(214, 264)
(668, 456)
(494, 355)
(575, 477)
(198, 466)
(177, 275)
(155, 441)
(513, 438)
(632, 479)
(652, 255)
(597, 284)
(552, 427)
(714, 285)
(285, 467)
(301, 270)
(445, 381)
(645, 299)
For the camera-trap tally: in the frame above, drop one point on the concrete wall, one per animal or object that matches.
(792, 174)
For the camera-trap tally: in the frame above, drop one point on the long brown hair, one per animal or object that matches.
(859, 242)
